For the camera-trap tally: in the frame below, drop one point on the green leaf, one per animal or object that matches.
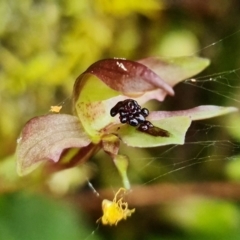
(31, 217)
(212, 217)
(233, 168)
(176, 126)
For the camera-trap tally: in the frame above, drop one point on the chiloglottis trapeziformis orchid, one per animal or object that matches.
(92, 126)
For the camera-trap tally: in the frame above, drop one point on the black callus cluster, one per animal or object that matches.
(130, 112)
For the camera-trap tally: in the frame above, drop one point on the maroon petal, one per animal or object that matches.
(126, 76)
(44, 138)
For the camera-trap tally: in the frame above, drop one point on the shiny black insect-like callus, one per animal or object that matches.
(144, 112)
(115, 110)
(139, 117)
(130, 105)
(149, 128)
(130, 112)
(158, 132)
(123, 113)
(133, 122)
(145, 126)
(123, 119)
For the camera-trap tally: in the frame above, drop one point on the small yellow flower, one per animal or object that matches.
(55, 109)
(116, 210)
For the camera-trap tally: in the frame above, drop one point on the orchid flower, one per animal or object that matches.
(96, 93)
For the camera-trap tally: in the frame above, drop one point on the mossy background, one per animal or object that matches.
(46, 44)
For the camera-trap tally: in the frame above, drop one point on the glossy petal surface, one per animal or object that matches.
(127, 76)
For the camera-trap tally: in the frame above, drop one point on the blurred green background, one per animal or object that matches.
(46, 44)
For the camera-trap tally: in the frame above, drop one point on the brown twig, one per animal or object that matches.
(163, 193)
